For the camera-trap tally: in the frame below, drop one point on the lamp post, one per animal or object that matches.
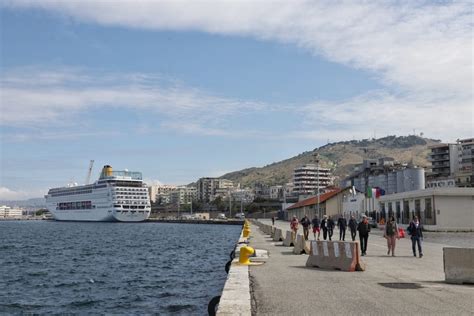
(316, 158)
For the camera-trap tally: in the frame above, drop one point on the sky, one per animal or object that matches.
(186, 89)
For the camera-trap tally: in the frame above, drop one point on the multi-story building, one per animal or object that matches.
(183, 195)
(386, 174)
(161, 193)
(444, 160)
(209, 189)
(465, 176)
(308, 178)
(276, 192)
(8, 212)
(243, 195)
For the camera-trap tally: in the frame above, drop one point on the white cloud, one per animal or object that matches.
(8, 194)
(420, 51)
(414, 45)
(65, 92)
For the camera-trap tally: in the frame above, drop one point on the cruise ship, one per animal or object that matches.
(117, 196)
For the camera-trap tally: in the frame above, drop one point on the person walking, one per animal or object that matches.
(391, 234)
(364, 230)
(330, 225)
(273, 220)
(415, 229)
(324, 226)
(316, 226)
(305, 222)
(353, 227)
(294, 227)
(342, 224)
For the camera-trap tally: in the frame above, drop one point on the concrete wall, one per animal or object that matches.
(455, 212)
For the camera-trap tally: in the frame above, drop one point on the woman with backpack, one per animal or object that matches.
(391, 234)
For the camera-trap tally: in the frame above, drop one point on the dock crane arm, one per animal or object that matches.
(89, 172)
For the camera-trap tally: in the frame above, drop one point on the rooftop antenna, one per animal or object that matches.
(89, 172)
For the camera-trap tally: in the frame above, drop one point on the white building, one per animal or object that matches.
(444, 209)
(308, 178)
(161, 193)
(183, 195)
(276, 192)
(208, 189)
(244, 195)
(8, 212)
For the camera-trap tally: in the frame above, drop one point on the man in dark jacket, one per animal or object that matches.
(324, 226)
(416, 233)
(342, 224)
(331, 225)
(305, 222)
(353, 227)
(364, 230)
(316, 226)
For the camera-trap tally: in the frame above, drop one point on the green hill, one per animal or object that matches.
(340, 157)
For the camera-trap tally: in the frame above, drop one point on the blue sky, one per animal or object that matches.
(182, 90)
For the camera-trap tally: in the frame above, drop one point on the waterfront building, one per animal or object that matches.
(328, 205)
(451, 164)
(8, 212)
(465, 176)
(161, 193)
(243, 195)
(276, 192)
(444, 209)
(444, 160)
(308, 178)
(208, 189)
(386, 174)
(183, 195)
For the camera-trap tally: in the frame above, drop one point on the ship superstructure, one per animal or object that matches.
(116, 196)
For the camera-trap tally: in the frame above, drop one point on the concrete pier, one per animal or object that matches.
(401, 285)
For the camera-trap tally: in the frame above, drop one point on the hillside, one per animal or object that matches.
(340, 157)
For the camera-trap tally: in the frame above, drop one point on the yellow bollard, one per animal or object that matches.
(245, 253)
(246, 232)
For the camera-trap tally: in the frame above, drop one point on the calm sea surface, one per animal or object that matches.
(51, 267)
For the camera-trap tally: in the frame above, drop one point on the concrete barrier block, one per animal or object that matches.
(458, 265)
(273, 232)
(278, 235)
(300, 245)
(339, 255)
(289, 240)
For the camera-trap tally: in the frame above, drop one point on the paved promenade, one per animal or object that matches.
(285, 286)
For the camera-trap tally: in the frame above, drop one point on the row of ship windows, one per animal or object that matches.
(131, 202)
(131, 189)
(82, 205)
(129, 197)
(129, 193)
(133, 207)
(64, 193)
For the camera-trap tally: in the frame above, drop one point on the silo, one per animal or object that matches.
(382, 181)
(400, 182)
(391, 183)
(416, 178)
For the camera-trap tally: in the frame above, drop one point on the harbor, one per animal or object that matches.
(403, 284)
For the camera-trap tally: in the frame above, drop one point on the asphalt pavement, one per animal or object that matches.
(401, 285)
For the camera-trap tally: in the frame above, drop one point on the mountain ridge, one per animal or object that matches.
(341, 157)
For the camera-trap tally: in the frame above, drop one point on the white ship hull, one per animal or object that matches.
(116, 197)
(105, 215)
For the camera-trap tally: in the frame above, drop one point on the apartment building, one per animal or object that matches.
(451, 164)
(183, 195)
(161, 193)
(308, 178)
(209, 189)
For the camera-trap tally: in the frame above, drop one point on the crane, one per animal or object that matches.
(89, 172)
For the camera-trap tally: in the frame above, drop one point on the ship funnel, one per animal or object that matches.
(106, 171)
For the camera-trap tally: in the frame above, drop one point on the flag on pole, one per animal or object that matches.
(369, 192)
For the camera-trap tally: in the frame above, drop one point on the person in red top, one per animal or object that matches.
(294, 227)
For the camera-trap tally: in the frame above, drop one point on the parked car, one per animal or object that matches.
(221, 216)
(240, 215)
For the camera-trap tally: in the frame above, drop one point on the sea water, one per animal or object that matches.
(49, 267)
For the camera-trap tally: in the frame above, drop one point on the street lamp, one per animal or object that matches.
(316, 158)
